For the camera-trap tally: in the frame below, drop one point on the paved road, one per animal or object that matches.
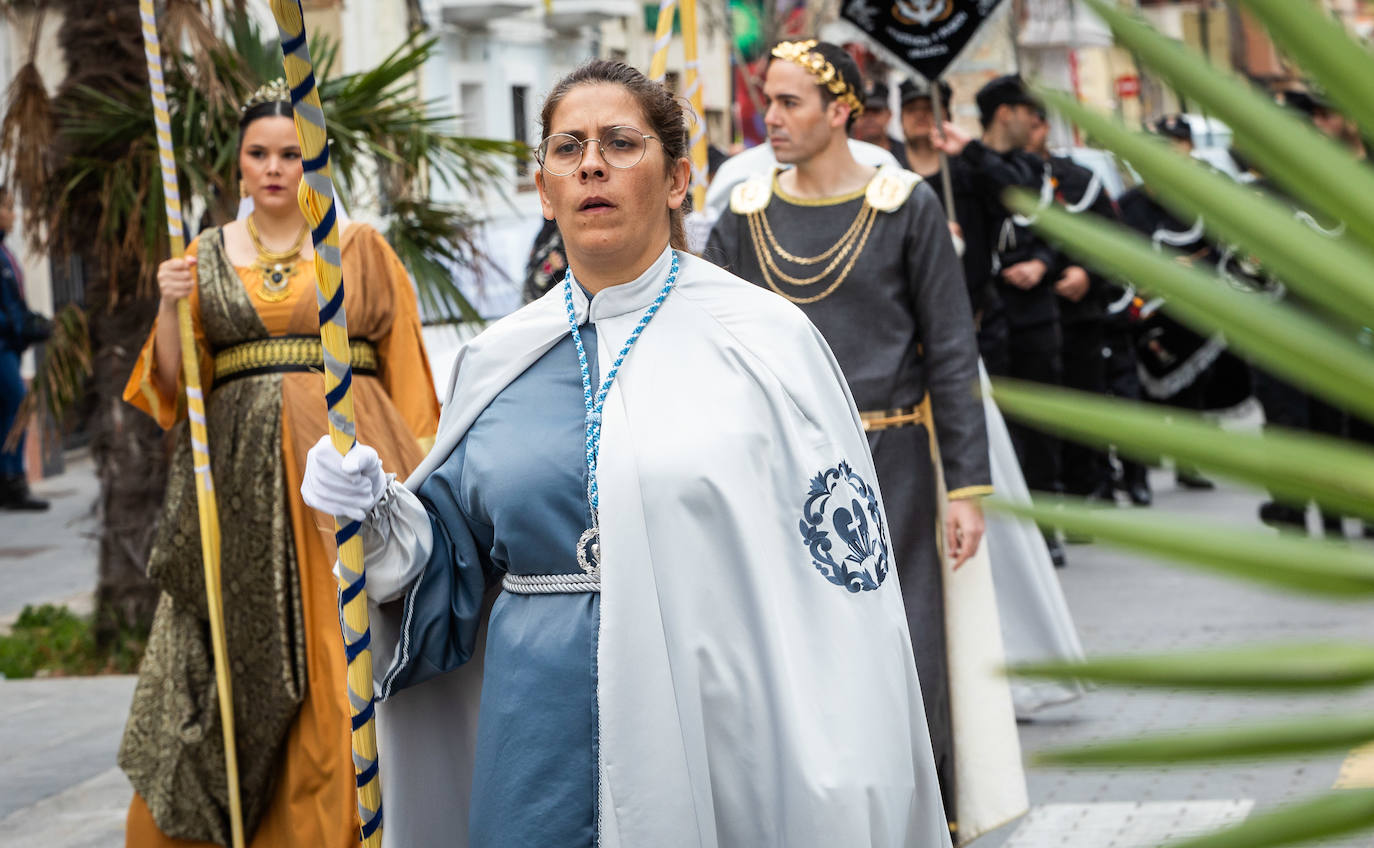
(59, 786)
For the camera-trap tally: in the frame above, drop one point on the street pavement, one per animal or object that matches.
(59, 786)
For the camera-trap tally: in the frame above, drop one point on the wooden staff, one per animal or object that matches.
(195, 411)
(938, 112)
(697, 143)
(317, 202)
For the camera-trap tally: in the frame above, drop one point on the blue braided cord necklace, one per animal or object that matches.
(589, 545)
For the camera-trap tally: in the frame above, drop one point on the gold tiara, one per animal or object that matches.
(276, 91)
(800, 53)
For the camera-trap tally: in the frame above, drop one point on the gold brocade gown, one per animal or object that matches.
(286, 653)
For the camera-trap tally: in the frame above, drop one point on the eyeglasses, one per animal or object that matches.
(621, 147)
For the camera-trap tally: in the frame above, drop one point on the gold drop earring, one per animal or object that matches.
(243, 189)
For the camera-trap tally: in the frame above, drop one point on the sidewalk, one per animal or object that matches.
(50, 557)
(58, 740)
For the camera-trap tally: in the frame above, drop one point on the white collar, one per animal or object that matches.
(620, 299)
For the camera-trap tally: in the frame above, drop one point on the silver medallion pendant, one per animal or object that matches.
(589, 551)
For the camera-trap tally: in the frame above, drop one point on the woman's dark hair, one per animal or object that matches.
(845, 67)
(667, 119)
(270, 109)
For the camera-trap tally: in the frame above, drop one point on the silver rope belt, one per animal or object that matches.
(550, 584)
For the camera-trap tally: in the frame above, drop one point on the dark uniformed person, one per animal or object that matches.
(1176, 364)
(1082, 295)
(871, 126)
(919, 155)
(1026, 308)
(1286, 405)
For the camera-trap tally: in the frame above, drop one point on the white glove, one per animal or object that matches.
(348, 486)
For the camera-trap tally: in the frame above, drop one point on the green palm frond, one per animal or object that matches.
(1321, 734)
(1286, 667)
(1304, 162)
(1321, 347)
(1300, 466)
(1292, 562)
(1335, 814)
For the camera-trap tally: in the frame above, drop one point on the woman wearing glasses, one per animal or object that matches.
(696, 636)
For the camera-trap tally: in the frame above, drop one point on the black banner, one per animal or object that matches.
(925, 35)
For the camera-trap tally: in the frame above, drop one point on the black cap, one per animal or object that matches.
(876, 95)
(1006, 90)
(1307, 102)
(912, 90)
(1174, 126)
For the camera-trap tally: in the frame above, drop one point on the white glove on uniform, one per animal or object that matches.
(348, 486)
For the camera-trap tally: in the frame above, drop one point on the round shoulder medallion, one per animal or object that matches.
(890, 188)
(752, 195)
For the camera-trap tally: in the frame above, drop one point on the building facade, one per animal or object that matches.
(496, 65)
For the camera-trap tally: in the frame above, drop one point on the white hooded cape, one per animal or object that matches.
(744, 699)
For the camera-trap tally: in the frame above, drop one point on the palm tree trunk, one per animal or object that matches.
(103, 48)
(130, 453)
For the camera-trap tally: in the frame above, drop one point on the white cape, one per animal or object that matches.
(1036, 623)
(744, 699)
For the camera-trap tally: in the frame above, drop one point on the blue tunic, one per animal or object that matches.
(512, 498)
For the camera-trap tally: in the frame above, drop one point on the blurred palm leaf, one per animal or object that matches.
(1306, 163)
(1301, 466)
(1321, 351)
(1293, 737)
(1335, 814)
(1324, 270)
(1287, 667)
(1291, 562)
(1289, 343)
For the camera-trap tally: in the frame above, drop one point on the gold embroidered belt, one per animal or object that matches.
(887, 419)
(283, 354)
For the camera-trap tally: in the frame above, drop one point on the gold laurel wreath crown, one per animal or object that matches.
(276, 91)
(800, 53)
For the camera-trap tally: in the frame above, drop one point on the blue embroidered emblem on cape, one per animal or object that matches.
(841, 506)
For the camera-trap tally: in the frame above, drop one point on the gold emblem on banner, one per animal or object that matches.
(922, 13)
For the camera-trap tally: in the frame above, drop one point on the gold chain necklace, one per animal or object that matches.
(852, 243)
(275, 265)
(812, 260)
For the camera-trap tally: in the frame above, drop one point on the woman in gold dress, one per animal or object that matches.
(251, 285)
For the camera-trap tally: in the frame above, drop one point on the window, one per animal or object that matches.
(519, 101)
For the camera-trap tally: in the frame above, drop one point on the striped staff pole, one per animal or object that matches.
(697, 137)
(195, 411)
(317, 202)
(658, 67)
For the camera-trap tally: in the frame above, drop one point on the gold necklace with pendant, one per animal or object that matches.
(275, 266)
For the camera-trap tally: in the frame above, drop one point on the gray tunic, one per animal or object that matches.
(900, 326)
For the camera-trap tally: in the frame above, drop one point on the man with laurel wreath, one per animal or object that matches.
(867, 255)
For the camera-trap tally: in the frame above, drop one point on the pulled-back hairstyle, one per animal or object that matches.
(270, 109)
(664, 112)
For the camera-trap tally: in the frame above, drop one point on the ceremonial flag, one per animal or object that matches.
(925, 35)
